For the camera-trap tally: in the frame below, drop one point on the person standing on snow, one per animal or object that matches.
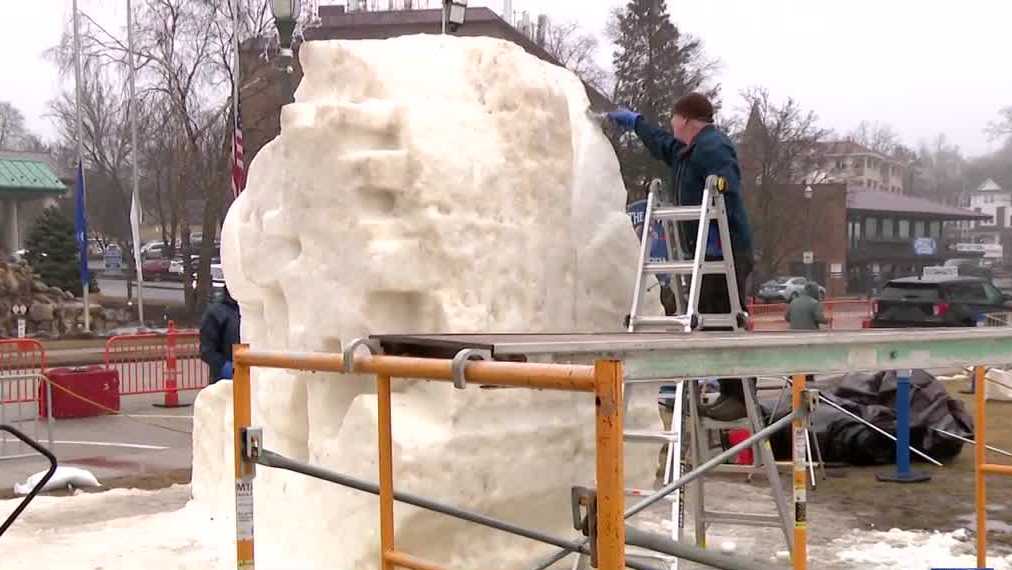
(219, 330)
(696, 149)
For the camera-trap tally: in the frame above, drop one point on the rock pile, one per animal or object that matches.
(52, 312)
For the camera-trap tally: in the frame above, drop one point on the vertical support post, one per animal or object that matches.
(171, 398)
(903, 472)
(979, 458)
(799, 551)
(386, 471)
(244, 470)
(610, 475)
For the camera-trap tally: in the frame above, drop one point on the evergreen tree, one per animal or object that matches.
(654, 65)
(53, 254)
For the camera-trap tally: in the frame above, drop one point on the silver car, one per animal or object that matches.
(784, 289)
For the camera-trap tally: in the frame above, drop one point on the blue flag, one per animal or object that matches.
(81, 227)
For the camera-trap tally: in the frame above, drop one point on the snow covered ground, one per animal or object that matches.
(129, 529)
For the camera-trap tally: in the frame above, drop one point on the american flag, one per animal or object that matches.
(238, 159)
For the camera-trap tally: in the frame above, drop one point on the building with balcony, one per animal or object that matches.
(861, 168)
(890, 235)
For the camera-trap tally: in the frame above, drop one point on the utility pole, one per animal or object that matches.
(134, 154)
(86, 285)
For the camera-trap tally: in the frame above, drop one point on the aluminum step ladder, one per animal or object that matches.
(677, 267)
(677, 270)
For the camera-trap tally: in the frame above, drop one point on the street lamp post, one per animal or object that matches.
(454, 13)
(810, 254)
(286, 16)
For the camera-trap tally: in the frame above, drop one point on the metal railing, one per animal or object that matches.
(843, 314)
(151, 363)
(981, 467)
(603, 521)
(22, 376)
(604, 380)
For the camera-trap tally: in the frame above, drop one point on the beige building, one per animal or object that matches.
(861, 168)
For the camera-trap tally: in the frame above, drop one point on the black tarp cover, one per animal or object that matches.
(873, 397)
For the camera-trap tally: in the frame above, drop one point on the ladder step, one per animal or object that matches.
(681, 213)
(647, 435)
(749, 519)
(684, 267)
(662, 322)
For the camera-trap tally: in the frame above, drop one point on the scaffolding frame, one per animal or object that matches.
(620, 358)
(981, 467)
(603, 380)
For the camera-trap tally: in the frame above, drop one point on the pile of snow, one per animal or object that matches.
(419, 184)
(912, 550)
(121, 529)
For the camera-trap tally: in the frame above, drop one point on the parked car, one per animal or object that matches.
(155, 269)
(217, 278)
(785, 289)
(946, 301)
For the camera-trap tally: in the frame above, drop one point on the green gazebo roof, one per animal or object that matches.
(26, 176)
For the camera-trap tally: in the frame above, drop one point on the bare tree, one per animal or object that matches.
(879, 137)
(779, 148)
(1003, 126)
(575, 50)
(185, 75)
(14, 134)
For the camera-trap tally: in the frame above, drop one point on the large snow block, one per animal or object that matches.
(424, 183)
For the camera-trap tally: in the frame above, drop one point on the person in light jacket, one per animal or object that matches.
(805, 311)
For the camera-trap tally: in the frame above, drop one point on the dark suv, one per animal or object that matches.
(936, 302)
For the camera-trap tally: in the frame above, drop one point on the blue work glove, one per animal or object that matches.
(624, 118)
(226, 370)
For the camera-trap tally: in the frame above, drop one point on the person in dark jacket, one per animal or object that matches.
(805, 311)
(696, 149)
(219, 330)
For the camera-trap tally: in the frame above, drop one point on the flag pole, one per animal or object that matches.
(135, 217)
(83, 250)
(235, 80)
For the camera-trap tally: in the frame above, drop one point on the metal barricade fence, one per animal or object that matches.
(22, 376)
(843, 314)
(151, 363)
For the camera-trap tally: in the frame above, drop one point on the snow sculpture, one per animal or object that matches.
(424, 183)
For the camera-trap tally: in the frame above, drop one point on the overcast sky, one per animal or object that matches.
(925, 67)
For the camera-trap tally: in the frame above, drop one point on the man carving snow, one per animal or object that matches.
(694, 150)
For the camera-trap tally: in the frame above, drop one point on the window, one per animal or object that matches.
(871, 228)
(936, 230)
(887, 228)
(919, 229)
(903, 230)
(971, 292)
(994, 296)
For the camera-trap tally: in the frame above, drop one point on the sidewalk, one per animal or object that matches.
(147, 447)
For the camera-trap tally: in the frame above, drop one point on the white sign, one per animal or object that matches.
(20, 309)
(113, 258)
(990, 250)
(809, 257)
(875, 268)
(925, 246)
(836, 269)
(940, 272)
(22, 328)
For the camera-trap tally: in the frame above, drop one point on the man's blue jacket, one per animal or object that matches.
(711, 152)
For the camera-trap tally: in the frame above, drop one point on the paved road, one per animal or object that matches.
(147, 441)
(165, 293)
